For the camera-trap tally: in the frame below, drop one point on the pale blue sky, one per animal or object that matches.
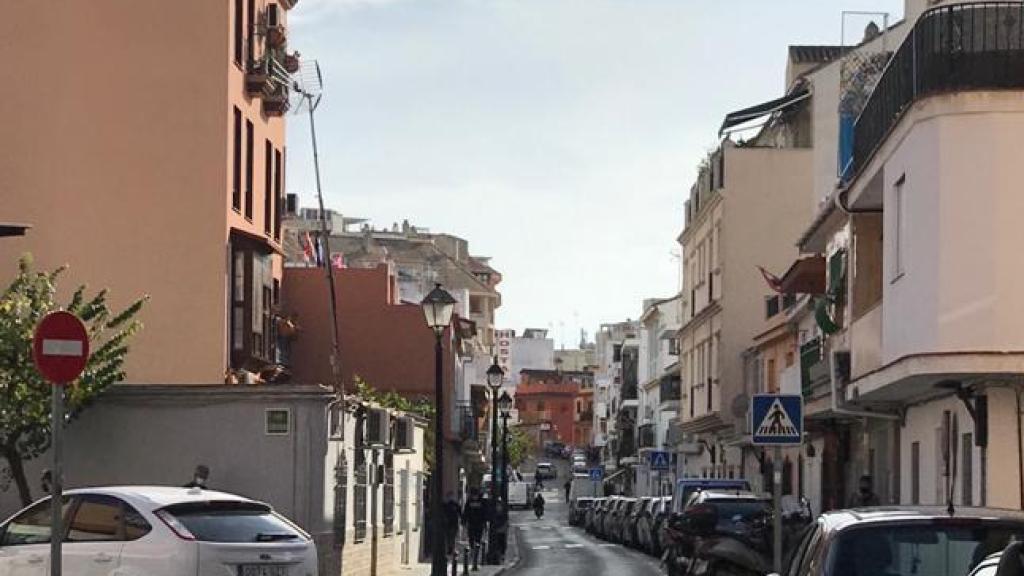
(558, 136)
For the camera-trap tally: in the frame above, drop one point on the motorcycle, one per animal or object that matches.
(700, 547)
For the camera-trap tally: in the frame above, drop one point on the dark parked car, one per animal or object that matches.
(906, 540)
(608, 519)
(578, 510)
(687, 486)
(593, 515)
(647, 524)
(662, 512)
(638, 511)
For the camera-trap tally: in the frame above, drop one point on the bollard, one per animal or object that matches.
(465, 562)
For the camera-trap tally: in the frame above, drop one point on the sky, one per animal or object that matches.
(559, 137)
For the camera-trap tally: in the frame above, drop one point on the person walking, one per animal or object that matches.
(475, 516)
(568, 487)
(452, 515)
(865, 495)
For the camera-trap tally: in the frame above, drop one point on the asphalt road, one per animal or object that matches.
(550, 547)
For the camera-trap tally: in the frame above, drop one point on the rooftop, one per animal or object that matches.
(813, 53)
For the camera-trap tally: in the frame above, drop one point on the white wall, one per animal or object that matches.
(922, 424)
(961, 285)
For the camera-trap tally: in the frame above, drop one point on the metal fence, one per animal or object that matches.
(389, 493)
(972, 46)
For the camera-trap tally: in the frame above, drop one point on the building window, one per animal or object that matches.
(771, 306)
(252, 294)
(278, 193)
(248, 168)
(476, 305)
(239, 25)
(236, 162)
(915, 473)
(268, 186)
(250, 34)
(540, 406)
(899, 229)
(617, 353)
(967, 483)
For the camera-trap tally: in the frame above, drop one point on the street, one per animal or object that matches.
(550, 546)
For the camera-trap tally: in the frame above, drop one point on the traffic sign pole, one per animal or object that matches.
(777, 504)
(56, 478)
(60, 350)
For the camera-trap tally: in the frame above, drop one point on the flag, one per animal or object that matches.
(337, 260)
(773, 281)
(307, 249)
(319, 250)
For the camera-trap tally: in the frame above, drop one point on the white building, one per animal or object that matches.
(659, 393)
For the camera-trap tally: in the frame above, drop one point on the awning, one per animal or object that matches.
(805, 276)
(747, 114)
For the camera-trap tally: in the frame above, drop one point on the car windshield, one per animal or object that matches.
(925, 549)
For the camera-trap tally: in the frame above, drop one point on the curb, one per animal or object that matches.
(515, 561)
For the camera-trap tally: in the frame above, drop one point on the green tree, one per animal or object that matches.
(421, 407)
(520, 445)
(24, 394)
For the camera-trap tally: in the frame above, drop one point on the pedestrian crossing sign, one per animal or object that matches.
(659, 460)
(777, 419)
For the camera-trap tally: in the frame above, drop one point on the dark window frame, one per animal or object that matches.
(249, 143)
(278, 192)
(268, 186)
(251, 300)
(236, 162)
(239, 25)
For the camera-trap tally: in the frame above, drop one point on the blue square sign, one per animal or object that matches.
(660, 460)
(596, 474)
(777, 419)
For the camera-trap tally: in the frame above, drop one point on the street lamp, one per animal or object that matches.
(494, 377)
(437, 309)
(505, 407)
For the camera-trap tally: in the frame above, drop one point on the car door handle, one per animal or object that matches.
(103, 557)
(35, 559)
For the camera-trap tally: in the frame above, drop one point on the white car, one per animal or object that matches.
(157, 531)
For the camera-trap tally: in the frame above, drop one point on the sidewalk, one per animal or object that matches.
(511, 559)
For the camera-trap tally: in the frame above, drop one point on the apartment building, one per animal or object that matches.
(549, 408)
(750, 199)
(110, 163)
(918, 312)
(659, 391)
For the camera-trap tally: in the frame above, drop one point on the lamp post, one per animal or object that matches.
(505, 407)
(437, 309)
(494, 377)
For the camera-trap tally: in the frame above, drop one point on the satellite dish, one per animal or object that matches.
(740, 405)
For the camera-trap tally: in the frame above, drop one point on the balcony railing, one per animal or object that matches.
(973, 46)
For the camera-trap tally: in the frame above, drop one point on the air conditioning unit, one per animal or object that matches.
(378, 428)
(405, 434)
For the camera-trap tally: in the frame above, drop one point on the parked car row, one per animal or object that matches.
(634, 522)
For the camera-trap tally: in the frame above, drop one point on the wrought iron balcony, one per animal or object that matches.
(960, 47)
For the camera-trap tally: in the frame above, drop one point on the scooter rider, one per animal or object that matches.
(538, 505)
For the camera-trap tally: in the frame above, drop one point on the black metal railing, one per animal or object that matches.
(973, 46)
(388, 506)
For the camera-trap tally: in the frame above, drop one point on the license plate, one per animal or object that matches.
(262, 570)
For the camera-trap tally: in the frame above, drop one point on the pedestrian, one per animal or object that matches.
(451, 521)
(865, 495)
(200, 477)
(475, 515)
(46, 481)
(568, 487)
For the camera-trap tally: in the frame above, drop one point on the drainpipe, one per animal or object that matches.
(1020, 450)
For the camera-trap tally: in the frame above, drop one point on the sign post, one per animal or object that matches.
(596, 476)
(777, 420)
(60, 349)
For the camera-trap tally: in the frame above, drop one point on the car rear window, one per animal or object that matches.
(951, 548)
(732, 511)
(233, 522)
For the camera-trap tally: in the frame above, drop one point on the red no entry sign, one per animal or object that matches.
(60, 347)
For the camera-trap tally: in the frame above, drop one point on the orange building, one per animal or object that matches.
(548, 405)
(145, 145)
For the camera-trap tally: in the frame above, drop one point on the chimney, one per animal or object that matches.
(871, 31)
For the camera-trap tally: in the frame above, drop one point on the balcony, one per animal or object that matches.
(961, 47)
(669, 392)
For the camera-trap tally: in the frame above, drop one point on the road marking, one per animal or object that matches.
(574, 545)
(542, 547)
(607, 545)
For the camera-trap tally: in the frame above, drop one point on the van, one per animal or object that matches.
(583, 487)
(687, 486)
